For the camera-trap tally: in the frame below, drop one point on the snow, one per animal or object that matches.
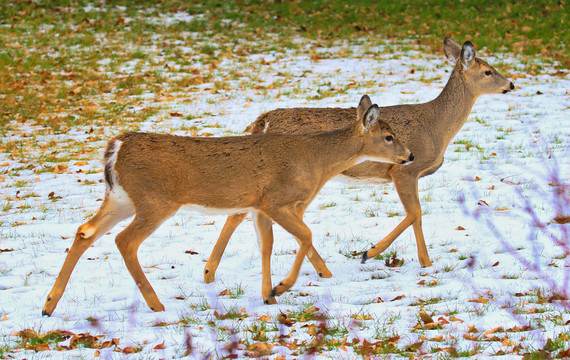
(526, 132)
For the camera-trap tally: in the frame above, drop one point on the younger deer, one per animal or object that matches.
(426, 129)
(275, 176)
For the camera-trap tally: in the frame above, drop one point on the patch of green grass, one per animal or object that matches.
(327, 205)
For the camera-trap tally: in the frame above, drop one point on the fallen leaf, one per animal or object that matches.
(460, 228)
(128, 350)
(191, 252)
(260, 349)
(495, 264)
(482, 203)
(264, 318)
(492, 331)
(442, 321)
(41, 347)
(6, 250)
(561, 219)
(437, 338)
(479, 300)
(400, 297)
(159, 346)
(225, 292)
(283, 319)
(425, 317)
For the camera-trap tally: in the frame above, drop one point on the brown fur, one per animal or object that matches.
(277, 176)
(426, 129)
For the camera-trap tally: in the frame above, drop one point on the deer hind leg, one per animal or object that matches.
(264, 228)
(109, 214)
(408, 193)
(230, 226)
(128, 242)
(291, 220)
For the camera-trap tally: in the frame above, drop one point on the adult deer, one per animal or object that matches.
(276, 176)
(426, 129)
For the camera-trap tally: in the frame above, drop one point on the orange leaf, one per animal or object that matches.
(128, 350)
(159, 346)
(460, 228)
(42, 347)
(400, 297)
(492, 331)
(480, 300)
(425, 317)
(442, 321)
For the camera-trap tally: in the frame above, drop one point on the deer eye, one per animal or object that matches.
(488, 73)
(389, 138)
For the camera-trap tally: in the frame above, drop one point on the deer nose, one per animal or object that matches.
(411, 157)
(512, 86)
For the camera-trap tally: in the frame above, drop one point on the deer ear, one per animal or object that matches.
(370, 117)
(467, 54)
(363, 105)
(451, 49)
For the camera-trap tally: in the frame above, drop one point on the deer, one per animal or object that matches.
(425, 128)
(275, 176)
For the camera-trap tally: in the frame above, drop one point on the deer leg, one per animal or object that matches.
(128, 242)
(110, 213)
(291, 221)
(263, 225)
(230, 226)
(408, 193)
(318, 262)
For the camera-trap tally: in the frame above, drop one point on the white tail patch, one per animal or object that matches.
(110, 160)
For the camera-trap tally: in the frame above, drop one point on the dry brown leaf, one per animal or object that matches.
(260, 349)
(492, 331)
(400, 297)
(159, 347)
(425, 317)
(480, 300)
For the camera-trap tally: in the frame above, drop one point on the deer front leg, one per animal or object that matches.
(291, 221)
(318, 263)
(128, 242)
(264, 228)
(408, 192)
(230, 226)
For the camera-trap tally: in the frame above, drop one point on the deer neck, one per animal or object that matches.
(452, 106)
(338, 150)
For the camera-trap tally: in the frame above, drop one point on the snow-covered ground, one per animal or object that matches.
(508, 144)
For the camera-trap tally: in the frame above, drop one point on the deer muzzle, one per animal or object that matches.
(511, 87)
(410, 159)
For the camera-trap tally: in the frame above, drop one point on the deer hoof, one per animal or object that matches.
(364, 257)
